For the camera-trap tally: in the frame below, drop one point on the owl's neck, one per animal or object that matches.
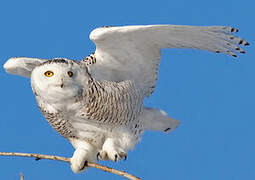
(58, 103)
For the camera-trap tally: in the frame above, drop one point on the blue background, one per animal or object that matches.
(212, 94)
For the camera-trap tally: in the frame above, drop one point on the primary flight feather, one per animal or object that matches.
(97, 103)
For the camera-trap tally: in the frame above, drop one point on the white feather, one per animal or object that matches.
(157, 120)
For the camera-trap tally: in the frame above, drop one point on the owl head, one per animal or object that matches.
(53, 80)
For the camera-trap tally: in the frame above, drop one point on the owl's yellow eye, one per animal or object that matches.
(48, 73)
(70, 73)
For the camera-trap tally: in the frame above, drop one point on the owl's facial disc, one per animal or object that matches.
(57, 81)
(62, 80)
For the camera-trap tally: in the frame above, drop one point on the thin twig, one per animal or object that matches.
(64, 159)
(21, 176)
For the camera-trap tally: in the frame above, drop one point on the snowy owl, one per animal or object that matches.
(97, 103)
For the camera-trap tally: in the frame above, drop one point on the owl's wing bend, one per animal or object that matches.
(133, 52)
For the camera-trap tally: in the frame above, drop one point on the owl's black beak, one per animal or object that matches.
(62, 83)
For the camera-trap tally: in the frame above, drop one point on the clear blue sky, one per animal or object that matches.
(212, 94)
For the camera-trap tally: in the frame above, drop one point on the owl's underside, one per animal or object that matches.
(97, 103)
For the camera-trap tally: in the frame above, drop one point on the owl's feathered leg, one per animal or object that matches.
(112, 150)
(83, 153)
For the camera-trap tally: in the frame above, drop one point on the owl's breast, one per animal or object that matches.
(60, 115)
(113, 104)
(58, 122)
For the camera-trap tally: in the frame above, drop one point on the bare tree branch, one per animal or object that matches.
(64, 159)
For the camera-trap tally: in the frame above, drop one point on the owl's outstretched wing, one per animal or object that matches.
(133, 52)
(22, 66)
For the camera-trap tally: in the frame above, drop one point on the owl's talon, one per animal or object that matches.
(37, 158)
(84, 166)
(112, 156)
(115, 157)
(98, 156)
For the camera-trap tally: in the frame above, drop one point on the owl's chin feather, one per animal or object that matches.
(55, 93)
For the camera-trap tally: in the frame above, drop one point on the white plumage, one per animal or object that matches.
(97, 103)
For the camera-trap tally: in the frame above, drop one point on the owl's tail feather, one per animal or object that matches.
(157, 120)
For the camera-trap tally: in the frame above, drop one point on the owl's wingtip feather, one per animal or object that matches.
(10, 65)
